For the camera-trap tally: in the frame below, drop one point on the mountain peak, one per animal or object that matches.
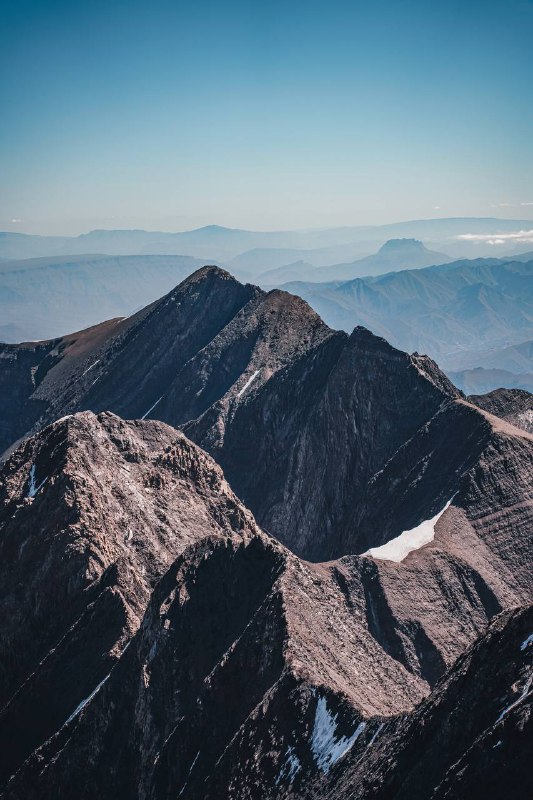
(401, 245)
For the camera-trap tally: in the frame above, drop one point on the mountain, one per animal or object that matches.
(517, 359)
(480, 380)
(394, 255)
(468, 740)
(218, 244)
(93, 511)
(294, 412)
(162, 642)
(147, 544)
(455, 312)
(47, 297)
(513, 405)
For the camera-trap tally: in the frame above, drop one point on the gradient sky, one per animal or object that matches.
(169, 115)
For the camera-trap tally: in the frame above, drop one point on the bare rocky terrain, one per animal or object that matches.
(513, 405)
(160, 640)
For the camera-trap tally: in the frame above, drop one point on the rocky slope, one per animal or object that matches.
(455, 312)
(157, 643)
(513, 405)
(335, 442)
(92, 512)
(471, 738)
(253, 673)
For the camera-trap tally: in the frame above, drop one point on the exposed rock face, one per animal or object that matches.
(335, 443)
(253, 673)
(120, 365)
(92, 512)
(471, 738)
(299, 416)
(157, 643)
(513, 405)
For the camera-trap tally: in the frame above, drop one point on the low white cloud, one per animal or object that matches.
(511, 205)
(520, 237)
(15, 220)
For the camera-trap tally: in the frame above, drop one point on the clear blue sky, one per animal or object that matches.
(263, 115)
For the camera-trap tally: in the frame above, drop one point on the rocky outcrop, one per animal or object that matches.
(469, 740)
(288, 666)
(513, 405)
(158, 643)
(92, 512)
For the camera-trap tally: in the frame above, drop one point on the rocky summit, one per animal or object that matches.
(245, 556)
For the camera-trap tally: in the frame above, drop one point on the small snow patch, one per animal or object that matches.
(290, 767)
(189, 773)
(152, 407)
(248, 382)
(33, 488)
(525, 644)
(400, 547)
(523, 696)
(91, 367)
(376, 734)
(87, 700)
(326, 748)
(62, 419)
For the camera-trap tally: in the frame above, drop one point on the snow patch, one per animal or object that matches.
(33, 488)
(152, 407)
(189, 774)
(290, 767)
(525, 644)
(376, 734)
(248, 382)
(129, 536)
(87, 700)
(400, 547)
(62, 419)
(326, 748)
(90, 368)
(523, 696)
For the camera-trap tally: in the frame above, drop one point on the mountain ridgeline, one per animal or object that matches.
(245, 555)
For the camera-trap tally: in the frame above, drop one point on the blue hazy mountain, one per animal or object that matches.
(218, 244)
(464, 314)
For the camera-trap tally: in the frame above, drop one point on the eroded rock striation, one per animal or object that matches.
(160, 640)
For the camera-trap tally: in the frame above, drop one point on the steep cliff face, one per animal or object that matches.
(124, 365)
(299, 416)
(469, 739)
(253, 672)
(92, 512)
(300, 449)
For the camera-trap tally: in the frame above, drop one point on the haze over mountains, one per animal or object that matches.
(333, 245)
(193, 651)
(480, 335)
(467, 314)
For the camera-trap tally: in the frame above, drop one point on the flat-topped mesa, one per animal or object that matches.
(92, 511)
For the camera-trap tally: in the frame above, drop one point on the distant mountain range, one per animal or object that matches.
(248, 253)
(300, 568)
(395, 254)
(46, 297)
(462, 314)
